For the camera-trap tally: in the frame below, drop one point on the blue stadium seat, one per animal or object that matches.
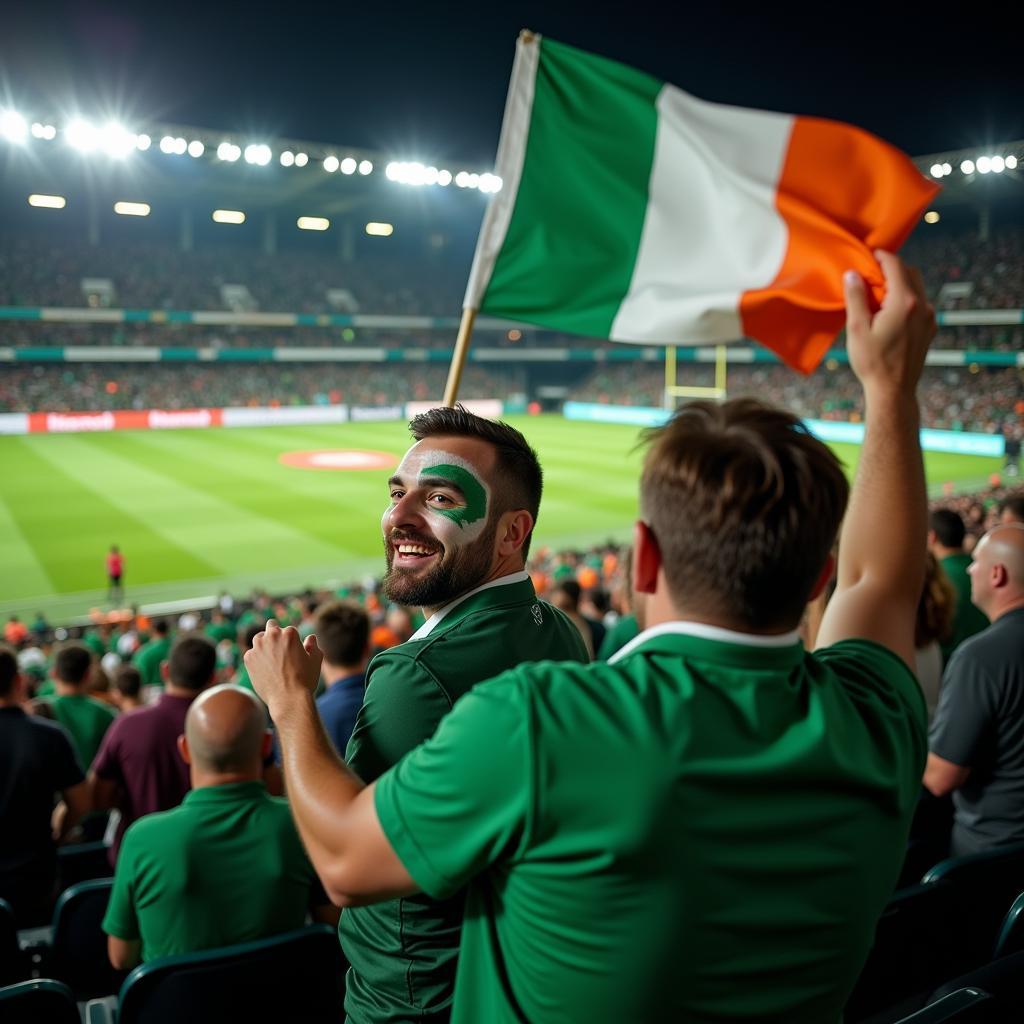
(297, 977)
(964, 1006)
(78, 956)
(1011, 935)
(13, 966)
(38, 1002)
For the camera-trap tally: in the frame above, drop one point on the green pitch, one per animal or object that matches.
(200, 511)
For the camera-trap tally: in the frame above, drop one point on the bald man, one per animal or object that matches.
(977, 737)
(227, 865)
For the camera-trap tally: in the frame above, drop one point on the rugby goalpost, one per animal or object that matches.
(674, 390)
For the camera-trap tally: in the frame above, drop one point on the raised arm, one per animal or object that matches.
(883, 537)
(333, 811)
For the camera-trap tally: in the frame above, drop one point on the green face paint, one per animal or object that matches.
(475, 508)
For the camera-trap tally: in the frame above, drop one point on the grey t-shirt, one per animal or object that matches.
(979, 725)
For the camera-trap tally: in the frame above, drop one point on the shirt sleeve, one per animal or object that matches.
(403, 706)
(120, 920)
(107, 764)
(459, 803)
(966, 715)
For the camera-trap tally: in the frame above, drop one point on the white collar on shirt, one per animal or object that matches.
(502, 581)
(706, 632)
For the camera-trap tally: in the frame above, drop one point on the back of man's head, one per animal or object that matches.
(744, 504)
(72, 664)
(161, 627)
(225, 728)
(948, 528)
(566, 595)
(1012, 509)
(518, 477)
(343, 633)
(192, 663)
(128, 681)
(8, 671)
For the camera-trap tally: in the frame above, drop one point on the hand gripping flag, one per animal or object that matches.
(635, 212)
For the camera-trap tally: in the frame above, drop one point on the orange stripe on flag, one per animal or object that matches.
(843, 193)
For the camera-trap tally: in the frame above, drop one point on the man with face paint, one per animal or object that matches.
(463, 503)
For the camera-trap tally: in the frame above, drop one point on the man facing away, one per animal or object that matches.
(227, 865)
(708, 827)
(342, 630)
(463, 503)
(946, 542)
(85, 718)
(138, 768)
(36, 761)
(977, 738)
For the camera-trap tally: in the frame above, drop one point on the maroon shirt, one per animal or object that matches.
(140, 753)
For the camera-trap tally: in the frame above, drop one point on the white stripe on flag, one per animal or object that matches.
(711, 231)
(515, 130)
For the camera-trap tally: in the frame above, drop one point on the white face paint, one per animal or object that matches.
(453, 497)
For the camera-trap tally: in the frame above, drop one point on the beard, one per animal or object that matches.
(456, 573)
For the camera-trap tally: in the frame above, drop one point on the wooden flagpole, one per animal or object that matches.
(451, 388)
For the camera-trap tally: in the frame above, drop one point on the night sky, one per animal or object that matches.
(428, 80)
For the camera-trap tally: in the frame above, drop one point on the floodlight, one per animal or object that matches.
(391, 172)
(13, 127)
(115, 140)
(258, 153)
(229, 216)
(998, 165)
(287, 158)
(967, 166)
(379, 229)
(81, 135)
(937, 171)
(444, 177)
(1011, 162)
(489, 183)
(301, 159)
(313, 223)
(947, 169)
(48, 202)
(430, 177)
(228, 152)
(43, 131)
(348, 165)
(132, 209)
(473, 181)
(330, 164)
(365, 166)
(931, 217)
(167, 144)
(462, 179)
(984, 165)
(196, 149)
(143, 142)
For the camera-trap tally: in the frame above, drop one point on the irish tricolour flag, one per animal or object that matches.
(633, 211)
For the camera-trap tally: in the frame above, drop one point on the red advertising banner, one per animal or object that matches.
(127, 419)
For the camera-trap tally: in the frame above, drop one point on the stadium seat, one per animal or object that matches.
(1003, 979)
(78, 956)
(911, 954)
(297, 977)
(81, 862)
(964, 1006)
(12, 962)
(38, 1002)
(1011, 935)
(988, 883)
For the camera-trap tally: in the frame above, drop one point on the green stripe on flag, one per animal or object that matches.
(568, 264)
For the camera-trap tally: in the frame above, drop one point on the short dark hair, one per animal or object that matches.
(127, 680)
(520, 478)
(161, 626)
(8, 670)
(1014, 505)
(192, 662)
(342, 632)
(572, 590)
(72, 663)
(948, 527)
(744, 503)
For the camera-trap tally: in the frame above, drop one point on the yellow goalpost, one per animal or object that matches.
(674, 390)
